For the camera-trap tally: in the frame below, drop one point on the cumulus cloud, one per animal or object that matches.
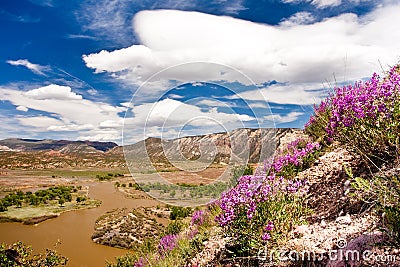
(291, 94)
(278, 119)
(171, 118)
(35, 68)
(22, 108)
(345, 46)
(174, 113)
(53, 91)
(67, 111)
(326, 3)
(317, 3)
(41, 122)
(298, 18)
(111, 19)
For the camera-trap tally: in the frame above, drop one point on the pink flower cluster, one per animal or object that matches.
(251, 190)
(167, 243)
(198, 217)
(372, 99)
(294, 155)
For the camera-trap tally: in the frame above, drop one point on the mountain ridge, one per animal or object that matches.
(240, 146)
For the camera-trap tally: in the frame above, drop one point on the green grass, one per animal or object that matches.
(84, 173)
(27, 212)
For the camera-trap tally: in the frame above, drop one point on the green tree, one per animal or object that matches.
(61, 201)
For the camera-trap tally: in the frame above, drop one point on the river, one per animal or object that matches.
(75, 228)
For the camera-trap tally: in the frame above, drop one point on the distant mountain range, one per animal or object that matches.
(241, 145)
(64, 146)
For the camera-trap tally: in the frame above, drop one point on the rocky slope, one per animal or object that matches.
(120, 228)
(240, 146)
(338, 226)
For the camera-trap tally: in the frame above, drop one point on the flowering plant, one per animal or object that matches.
(365, 117)
(167, 243)
(268, 200)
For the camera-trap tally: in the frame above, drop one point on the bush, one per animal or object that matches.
(19, 254)
(364, 117)
(382, 193)
(174, 227)
(179, 212)
(264, 207)
(392, 222)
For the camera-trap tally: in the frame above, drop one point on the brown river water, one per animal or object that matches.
(75, 228)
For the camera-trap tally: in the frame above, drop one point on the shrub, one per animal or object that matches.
(167, 244)
(19, 254)
(382, 193)
(364, 117)
(174, 227)
(269, 197)
(179, 212)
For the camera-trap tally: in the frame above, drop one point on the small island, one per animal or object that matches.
(34, 207)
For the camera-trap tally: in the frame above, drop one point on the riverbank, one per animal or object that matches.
(29, 210)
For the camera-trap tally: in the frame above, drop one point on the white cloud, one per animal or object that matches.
(173, 113)
(331, 3)
(110, 19)
(69, 112)
(81, 36)
(36, 68)
(92, 92)
(278, 119)
(175, 96)
(40, 122)
(298, 18)
(111, 124)
(214, 103)
(292, 94)
(326, 3)
(346, 46)
(70, 127)
(99, 135)
(22, 108)
(53, 91)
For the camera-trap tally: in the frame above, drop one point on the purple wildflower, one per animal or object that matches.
(265, 237)
(167, 243)
(269, 226)
(198, 217)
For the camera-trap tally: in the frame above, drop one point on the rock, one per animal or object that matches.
(323, 224)
(352, 253)
(302, 230)
(344, 219)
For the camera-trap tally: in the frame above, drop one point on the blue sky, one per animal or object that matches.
(71, 69)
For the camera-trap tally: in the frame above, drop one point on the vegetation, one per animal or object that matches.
(365, 118)
(193, 191)
(383, 194)
(34, 207)
(108, 176)
(174, 248)
(61, 193)
(185, 190)
(264, 207)
(179, 212)
(19, 254)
